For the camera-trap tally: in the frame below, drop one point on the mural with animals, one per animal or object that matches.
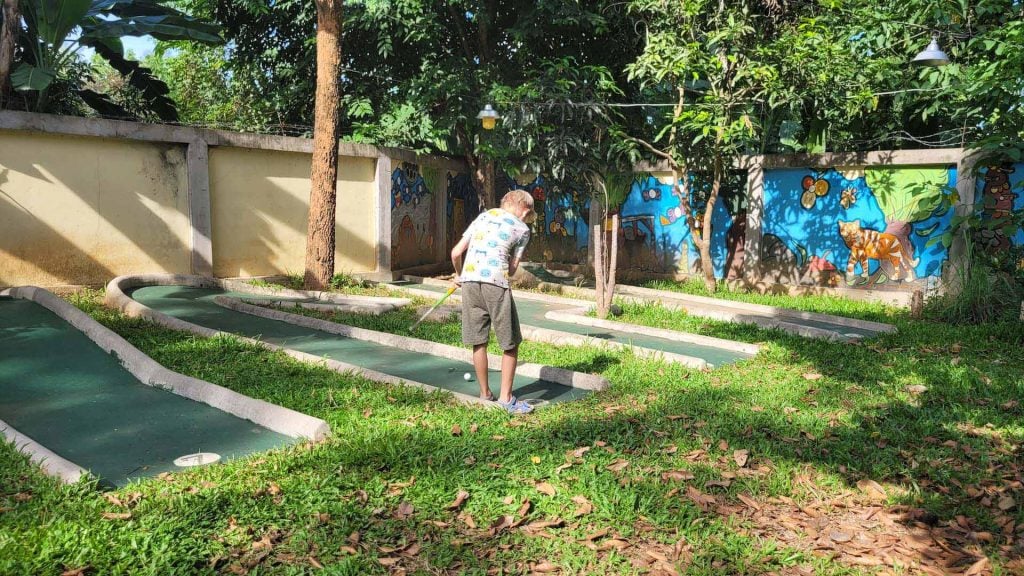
(561, 231)
(462, 207)
(856, 227)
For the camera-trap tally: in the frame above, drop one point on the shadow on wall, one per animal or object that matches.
(871, 224)
(260, 210)
(82, 210)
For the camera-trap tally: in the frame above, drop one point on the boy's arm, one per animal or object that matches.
(457, 251)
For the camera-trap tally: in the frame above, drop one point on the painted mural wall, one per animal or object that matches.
(653, 236)
(855, 227)
(1000, 190)
(560, 233)
(413, 216)
(462, 206)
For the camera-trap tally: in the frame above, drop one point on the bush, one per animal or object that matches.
(988, 290)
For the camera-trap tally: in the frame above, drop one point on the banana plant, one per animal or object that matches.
(56, 30)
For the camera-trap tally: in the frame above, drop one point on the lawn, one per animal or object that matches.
(812, 458)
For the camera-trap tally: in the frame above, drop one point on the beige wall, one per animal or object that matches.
(259, 202)
(81, 210)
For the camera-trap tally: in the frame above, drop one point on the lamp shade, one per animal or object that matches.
(488, 117)
(932, 55)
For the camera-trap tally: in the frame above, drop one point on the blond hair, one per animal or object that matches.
(517, 199)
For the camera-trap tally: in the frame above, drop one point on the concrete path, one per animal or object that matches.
(807, 324)
(567, 315)
(61, 390)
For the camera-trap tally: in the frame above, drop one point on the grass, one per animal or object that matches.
(815, 417)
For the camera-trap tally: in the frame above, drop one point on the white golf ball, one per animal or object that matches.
(467, 376)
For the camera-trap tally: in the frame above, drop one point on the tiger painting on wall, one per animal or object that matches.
(865, 243)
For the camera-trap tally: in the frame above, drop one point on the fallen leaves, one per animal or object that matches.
(545, 488)
(741, 457)
(404, 511)
(583, 506)
(460, 498)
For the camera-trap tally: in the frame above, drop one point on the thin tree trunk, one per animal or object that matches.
(599, 267)
(707, 265)
(8, 36)
(326, 130)
(609, 291)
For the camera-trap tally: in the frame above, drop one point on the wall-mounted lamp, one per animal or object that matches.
(488, 117)
(932, 55)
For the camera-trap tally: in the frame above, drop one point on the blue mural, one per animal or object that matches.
(1000, 191)
(561, 232)
(883, 216)
(652, 217)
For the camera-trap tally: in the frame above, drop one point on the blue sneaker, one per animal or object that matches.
(516, 406)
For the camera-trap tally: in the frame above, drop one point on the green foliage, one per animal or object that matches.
(56, 30)
(985, 291)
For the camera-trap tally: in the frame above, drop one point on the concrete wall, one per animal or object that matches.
(259, 207)
(81, 210)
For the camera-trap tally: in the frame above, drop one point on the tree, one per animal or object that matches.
(324, 176)
(54, 31)
(565, 125)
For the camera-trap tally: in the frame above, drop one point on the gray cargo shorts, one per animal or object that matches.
(485, 305)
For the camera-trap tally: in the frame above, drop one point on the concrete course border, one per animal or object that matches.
(549, 373)
(151, 373)
(577, 316)
(118, 299)
(557, 337)
(783, 319)
(51, 464)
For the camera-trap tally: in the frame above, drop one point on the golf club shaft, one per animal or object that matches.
(434, 307)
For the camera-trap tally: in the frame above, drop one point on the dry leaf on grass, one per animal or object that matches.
(545, 567)
(456, 430)
(584, 506)
(545, 488)
(812, 376)
(460, 498)
(873, 489)
(741, 457)
(618, 465)
(501, 523)
(404, 511)
(116, 515)
(676, 476)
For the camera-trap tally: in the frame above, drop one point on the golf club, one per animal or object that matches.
(434, 307)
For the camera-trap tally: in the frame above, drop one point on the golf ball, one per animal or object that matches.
(467, 377)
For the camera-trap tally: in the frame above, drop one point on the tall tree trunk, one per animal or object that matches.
(706, 263)
(8, 36)
(599, 258)
(326, 130)
(609, 277)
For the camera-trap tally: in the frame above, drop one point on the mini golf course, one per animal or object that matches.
(196, 308)
(807, 324)
(566, 315)
(77, 408)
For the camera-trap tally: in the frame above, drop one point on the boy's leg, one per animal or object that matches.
(480, 365)
(508, 373)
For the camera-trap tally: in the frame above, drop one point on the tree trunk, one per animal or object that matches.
(598, 236)
(609, 277)
(326, 130)
(8, 36)
(706, 264)
(483, 178)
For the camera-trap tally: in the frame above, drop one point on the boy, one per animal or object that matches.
(494, 245)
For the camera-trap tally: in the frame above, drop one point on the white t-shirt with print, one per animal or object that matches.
(493, 236)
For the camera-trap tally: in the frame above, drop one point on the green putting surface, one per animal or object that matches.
(790, 316)
(196, 305)
(60, 389)
(532, 313)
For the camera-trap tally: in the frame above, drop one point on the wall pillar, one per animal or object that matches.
(755, 215)
(198, 162)
(383, 248)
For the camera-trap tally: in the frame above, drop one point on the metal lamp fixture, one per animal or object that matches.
(932, 55)
(488, 117)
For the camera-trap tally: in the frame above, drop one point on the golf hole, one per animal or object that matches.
(197, 459)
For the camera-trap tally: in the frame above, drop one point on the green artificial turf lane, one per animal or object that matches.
(532, 313)
(196, 305)
(60, 389)
(847, 331)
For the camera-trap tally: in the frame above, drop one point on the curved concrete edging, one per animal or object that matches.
(578, 316)
(556, 337)
(240, 285)
(271, 416)
(48, 461)
(549, 373)
(325, 306)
